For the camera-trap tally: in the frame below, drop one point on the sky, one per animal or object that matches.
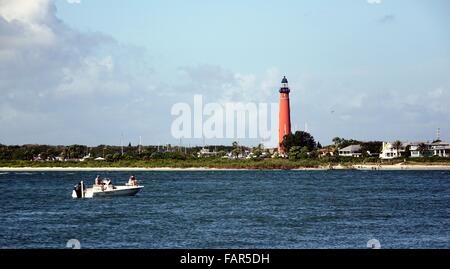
(105, 71)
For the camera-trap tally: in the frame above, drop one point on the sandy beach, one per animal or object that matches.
(401, 167)
(371, 167)
(80, 169)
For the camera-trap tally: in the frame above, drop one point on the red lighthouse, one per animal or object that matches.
(284, 123)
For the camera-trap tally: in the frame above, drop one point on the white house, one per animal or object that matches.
(206, 152)
(324, 152)
(351, 151)
(414, 148)
(388, 151)
(441, 149)
(87, 157)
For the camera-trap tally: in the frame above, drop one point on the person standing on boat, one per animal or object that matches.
(98, 180)
(133, 181)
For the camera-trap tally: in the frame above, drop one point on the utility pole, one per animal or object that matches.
(121, 142)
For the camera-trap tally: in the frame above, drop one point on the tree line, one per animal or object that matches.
(302, 145)
(108, 152)
(298, 145)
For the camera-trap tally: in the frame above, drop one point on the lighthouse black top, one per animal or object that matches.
(284, 86)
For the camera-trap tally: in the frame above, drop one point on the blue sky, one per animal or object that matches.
(249, 36)
(381, 66)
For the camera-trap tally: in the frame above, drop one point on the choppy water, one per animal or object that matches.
(230, 209)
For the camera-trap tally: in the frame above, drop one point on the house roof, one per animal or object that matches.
(440, 143)
(405, 143)
(352, 148)
(419, 142)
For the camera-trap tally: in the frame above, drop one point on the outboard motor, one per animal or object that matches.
(77, 190)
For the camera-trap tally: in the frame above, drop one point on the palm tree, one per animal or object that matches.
(337, 141)
(397, 145)
(236, 149)
(422, 147)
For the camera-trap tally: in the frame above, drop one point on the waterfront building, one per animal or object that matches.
(206, 152)
(351, 151)
(441, 149)
(328, 151)
(389, 151)
(416, 150)
(419, 149)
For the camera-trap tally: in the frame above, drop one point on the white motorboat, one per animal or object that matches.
(106, 189)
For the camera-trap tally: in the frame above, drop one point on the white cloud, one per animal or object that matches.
(74, 1)
(95, 76)
(32, 18)
(54, 77)
(374, 2)
(23, 10)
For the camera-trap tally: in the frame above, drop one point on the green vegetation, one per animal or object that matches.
(299, 139)
(302, 150)
(221, 163)
(110, 153)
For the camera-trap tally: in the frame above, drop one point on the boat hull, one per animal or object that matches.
(110, 192)
(119, 191)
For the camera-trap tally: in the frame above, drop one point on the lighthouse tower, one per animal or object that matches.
(284, 122)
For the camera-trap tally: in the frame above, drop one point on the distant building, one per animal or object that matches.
(416, 150)
(87, 157)
(441, 149)
(351, 151)
(324, 152)
(38, 158)
(206, 152)
(245, 154)
(388, 151)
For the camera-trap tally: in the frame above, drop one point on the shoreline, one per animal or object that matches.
(361, 167)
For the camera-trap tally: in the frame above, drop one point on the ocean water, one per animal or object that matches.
(230, 209)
